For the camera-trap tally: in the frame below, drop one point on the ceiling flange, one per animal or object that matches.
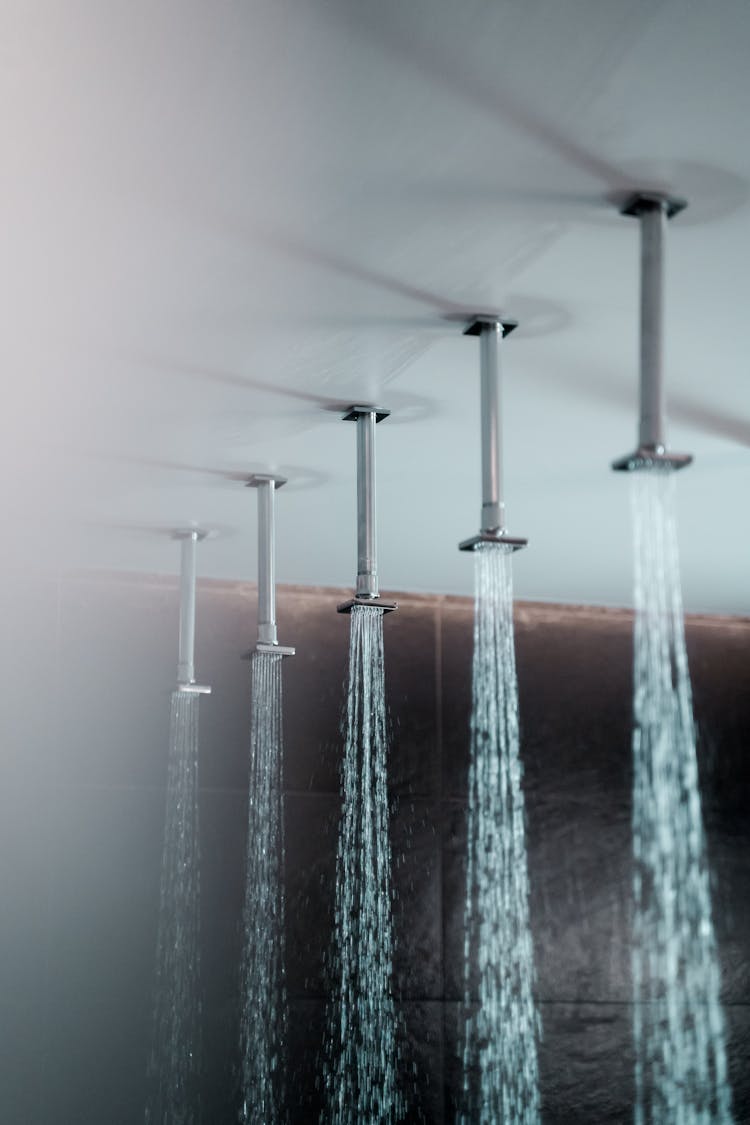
(639, 201)
(481, 320)
(355, 412)
(257, 479)
(197, 533)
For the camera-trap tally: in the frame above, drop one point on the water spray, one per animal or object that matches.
(188, 537)
(367, 592)
(266, 484)
(653, 210)
(491, 330)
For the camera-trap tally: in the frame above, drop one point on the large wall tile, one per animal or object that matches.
(102, 935)
(314, 689)
(223, 845)
(311, 824)
(30, 659)
(225, 630)
(119, 666)
(410, 637)
(417, 909)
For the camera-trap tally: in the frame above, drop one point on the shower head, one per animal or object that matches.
(188, 538)
(653, 210)
(367, 592)
(653, 458)
(374, 603)
(491, 330)
(266, 484)
(499, 537)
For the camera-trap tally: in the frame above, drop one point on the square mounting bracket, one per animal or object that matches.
(355, 412)
(640, 201)
(481, 320)
(263, 478)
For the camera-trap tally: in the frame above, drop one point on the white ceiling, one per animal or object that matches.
(224, 221)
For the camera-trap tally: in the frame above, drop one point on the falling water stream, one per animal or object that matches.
(500, 1072)
(174, 1060)
(361, 1051)
(263, 1018)
(681, 1066)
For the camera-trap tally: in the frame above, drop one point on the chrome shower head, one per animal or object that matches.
(266, 484)
(653, 210)
(186, 682)
(367, 592)
(491, 330)
(651, 458)
(487, 537)
(374, 603)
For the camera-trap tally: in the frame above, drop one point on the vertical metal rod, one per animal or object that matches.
(367, 569)
(267, 562)
(493, 508)
(653, 226)
(186, 660)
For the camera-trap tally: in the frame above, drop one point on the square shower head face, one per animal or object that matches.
(511, 541)
(644, 458)
(280, 650)
(374, 603)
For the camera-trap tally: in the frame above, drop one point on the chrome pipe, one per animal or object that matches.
(186, 644)
(366, 417)
(491, 330)
(653, 210)
(653, 229)
(266, 484)
(367, 565)
(493, 507)
(186, 659)
(267, 633)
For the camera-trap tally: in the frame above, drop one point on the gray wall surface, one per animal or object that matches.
(88, 663)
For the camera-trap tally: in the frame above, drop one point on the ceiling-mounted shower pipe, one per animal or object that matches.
(266, 485)
(189, 538)
(491, 330)
(367, 592)
(653, 210)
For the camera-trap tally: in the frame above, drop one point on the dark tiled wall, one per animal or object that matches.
(88, 665)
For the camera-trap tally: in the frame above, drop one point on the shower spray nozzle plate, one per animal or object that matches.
(648, 458)
(500, 539)
(280, 650)
(194, 689)
(355, 412)
(375, 603)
